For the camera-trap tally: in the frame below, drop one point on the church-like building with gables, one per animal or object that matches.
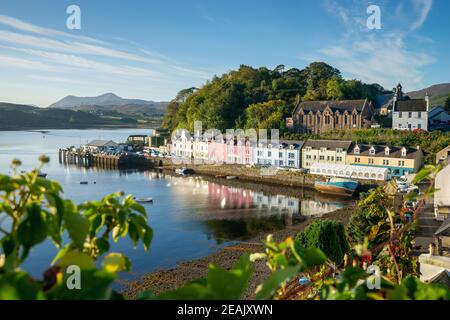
(319, 116)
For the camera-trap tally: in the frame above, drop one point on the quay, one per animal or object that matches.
(107, 161)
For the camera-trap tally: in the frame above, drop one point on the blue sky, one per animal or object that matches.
(151, 49)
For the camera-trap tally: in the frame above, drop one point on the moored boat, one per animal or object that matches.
(143, 200)
(184, 171)
(336, 186)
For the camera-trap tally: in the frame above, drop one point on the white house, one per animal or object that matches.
(182, 145)
(283, 154)
(409, 114)
(200, 146)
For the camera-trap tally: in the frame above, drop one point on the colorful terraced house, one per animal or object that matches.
(400, 161)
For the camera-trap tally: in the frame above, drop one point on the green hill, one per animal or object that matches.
(22, 117)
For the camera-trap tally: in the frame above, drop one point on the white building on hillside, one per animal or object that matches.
(409, 114)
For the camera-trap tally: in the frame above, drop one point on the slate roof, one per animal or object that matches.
(285, 143)
(382, 100)
(413, 105)
(395, 152)
(329, 144)
(341, 106)
(444, 227)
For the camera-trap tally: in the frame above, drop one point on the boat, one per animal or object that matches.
(337, 186)
(42, 175)
(84, 182)
(232, 178)
(143, 200)
(184, 171)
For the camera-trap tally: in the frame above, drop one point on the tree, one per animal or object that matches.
(447, 104)
(266, 115)
(334, 88)
(327, 235)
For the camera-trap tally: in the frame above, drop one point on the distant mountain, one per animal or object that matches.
(108, 100)
(24, 117)
(438, 93)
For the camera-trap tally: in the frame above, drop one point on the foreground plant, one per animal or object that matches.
(33, 211)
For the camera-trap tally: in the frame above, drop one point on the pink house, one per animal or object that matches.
(231, 152)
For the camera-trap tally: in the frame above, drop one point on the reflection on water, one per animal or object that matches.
(237, 213)
(191, 216)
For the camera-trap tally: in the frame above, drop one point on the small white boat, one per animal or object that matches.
(232, 178)
(84, 182)
(143, 200)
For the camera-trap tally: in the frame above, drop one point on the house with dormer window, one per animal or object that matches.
(399, 160)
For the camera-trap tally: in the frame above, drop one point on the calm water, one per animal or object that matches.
(191, 217)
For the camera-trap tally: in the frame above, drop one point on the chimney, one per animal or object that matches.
(427, 99)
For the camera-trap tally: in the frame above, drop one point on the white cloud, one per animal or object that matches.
(28, 27)
(20, 63)
(380, 59)
(424, 8)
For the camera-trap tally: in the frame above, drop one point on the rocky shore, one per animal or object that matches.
(170, 279)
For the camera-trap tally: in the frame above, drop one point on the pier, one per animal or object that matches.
(107, 161)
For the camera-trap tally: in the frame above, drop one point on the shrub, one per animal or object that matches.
(327, 235)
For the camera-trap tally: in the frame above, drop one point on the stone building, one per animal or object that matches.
(319, 116)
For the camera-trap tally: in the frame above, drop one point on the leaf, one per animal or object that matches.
(76, 258)
(95, 285)
(19, 286)
(77, 226)
(115, 262)
(312, 257)
(33, 228)
(273, 283)
(103, 245)
(422, 175)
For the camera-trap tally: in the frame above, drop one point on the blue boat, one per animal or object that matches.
(337, 186)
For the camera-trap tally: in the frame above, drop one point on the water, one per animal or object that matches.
(191, 217)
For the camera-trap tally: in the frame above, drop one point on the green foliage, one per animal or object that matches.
(235, 98)
(36, 212)
(447, 104)
(327, 235)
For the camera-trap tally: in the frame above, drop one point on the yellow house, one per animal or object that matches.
(399, 160)
(324, 151)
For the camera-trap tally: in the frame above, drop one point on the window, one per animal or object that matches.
(356, 150)
(291, 155)
(409, 126)
(339, 150)
(401, 163)
(291, 163)
(357, 160)
(308, 156)
(269, 154)
(260, 153)
(387, 151)
(280, 154)
(400, 115)
(322, 158)
(281, 163)
(355, 119)
(419, 114)
(370, 161)
(409, 114)
(403, 152)
(385, 162)
(339, 159)
(419, 126)
(372, 151)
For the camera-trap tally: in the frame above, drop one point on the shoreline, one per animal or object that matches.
(253, 175)
(172, 278)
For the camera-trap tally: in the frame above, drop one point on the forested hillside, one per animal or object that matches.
(260, 98)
